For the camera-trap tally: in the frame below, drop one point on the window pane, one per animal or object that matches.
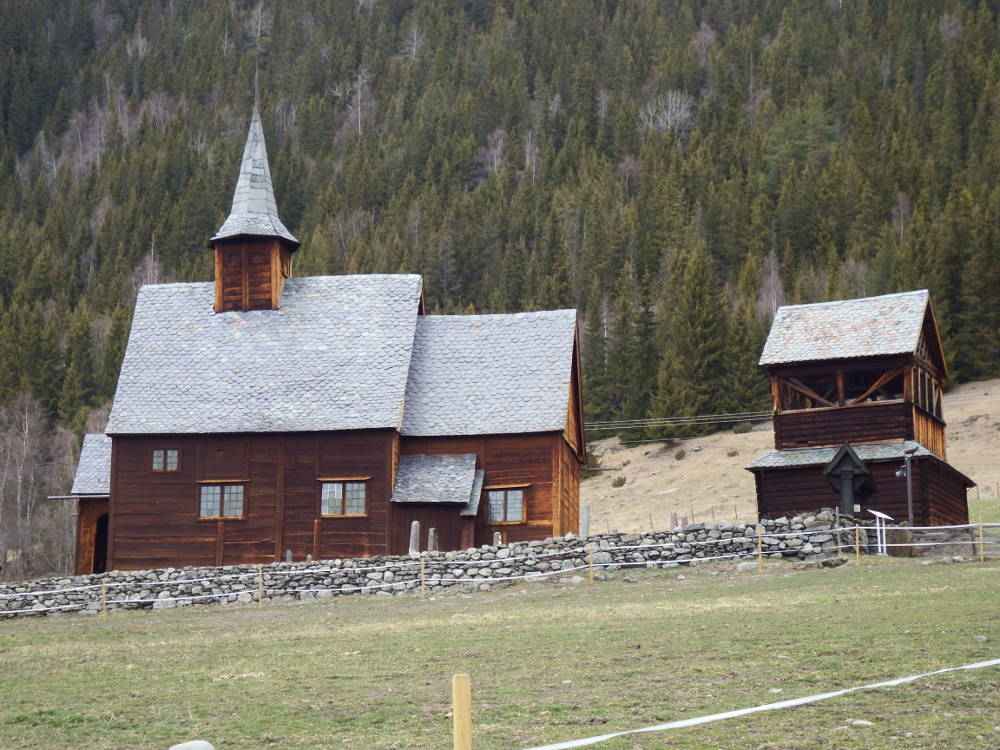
(210, 501)
(233, 500)
(157, 460)
(171, 460)
(515, 505)
(333, 493)
(355, 498)
(496, 505)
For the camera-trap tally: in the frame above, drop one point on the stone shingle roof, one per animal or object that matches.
(477, 492)
(93, 473)
(490, 374)
(795, 457)
(435, 479)
(334, 357)
(254, 210)
(868, 327)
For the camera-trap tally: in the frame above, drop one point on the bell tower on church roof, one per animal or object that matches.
(253, 248)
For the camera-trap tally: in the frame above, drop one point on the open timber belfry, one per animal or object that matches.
(262, 417)
(856, 391)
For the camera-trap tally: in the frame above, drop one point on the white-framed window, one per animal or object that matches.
(165, 459)
(505, 505)
(343, 498)
(221, 501)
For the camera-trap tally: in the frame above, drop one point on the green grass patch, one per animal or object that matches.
(547, 663)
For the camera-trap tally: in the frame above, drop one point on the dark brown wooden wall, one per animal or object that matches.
(250, 273)
(938, 494)
(508, 460)
(445, 519)
(864, 423)
(155, 515)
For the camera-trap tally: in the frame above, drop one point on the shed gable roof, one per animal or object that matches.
(334, 357)
(490, 374)
(844, 329)
(93, 472)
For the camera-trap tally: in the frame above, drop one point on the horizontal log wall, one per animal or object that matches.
(864, 423)
(938, 494)
(156, 514)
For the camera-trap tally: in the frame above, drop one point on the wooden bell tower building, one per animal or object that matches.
(253, 249)
(856, 388)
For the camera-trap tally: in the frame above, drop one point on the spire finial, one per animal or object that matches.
(256, 65)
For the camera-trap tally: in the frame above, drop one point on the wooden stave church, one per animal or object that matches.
(431, 414)
(880, 366)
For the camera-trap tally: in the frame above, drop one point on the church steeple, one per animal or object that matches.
(253, 249)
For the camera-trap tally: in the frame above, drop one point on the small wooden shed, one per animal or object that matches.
(856, 391)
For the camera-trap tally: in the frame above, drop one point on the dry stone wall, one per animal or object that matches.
(798, 539)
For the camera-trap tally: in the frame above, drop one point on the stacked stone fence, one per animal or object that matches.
(801, 538)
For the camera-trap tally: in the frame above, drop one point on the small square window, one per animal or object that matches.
(505, 506)
(343, 498)
(165, 459)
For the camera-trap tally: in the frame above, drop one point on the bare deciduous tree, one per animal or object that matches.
(673, 110)
(413, 41)
(34, 460)
(772, 292)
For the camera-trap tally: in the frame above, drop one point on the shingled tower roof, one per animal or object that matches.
(254, 212)
(845, 329)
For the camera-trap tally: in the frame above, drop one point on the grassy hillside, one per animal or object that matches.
(547, 662)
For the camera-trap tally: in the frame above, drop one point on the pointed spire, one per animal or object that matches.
(254, 211)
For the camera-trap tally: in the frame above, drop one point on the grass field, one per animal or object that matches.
(986, 510)
(547, 661)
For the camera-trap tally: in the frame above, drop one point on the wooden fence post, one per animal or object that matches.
(104, 599)
(260, 584)
(423, 584)
(760, 548)
(857, 544)
(461, 708)
(982, 549)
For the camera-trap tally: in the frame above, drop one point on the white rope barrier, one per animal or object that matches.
(757, 709)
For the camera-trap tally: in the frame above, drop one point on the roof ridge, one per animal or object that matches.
(912, 292)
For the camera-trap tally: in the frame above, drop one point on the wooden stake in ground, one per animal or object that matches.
(857, 544)
(760, 549)
(461, 712)
(104, 599)
(982, 550)
(260, 584)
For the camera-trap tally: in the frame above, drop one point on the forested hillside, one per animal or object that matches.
(675, 170)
